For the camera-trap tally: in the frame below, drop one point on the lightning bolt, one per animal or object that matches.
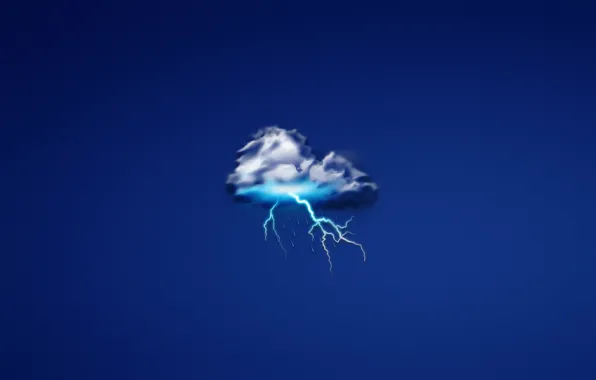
(271, 219)
(320, 222)
(337, 232)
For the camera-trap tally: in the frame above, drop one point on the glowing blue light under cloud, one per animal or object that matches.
(279, 192)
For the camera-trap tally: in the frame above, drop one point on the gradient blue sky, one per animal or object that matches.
(127, 260)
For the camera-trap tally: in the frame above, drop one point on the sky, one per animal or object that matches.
(127, 259)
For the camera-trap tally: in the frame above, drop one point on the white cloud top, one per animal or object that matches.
(282, 156)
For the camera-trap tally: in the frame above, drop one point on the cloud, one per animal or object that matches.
(278, 161)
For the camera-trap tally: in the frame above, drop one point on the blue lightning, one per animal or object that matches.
(337, 232)
(271, 219)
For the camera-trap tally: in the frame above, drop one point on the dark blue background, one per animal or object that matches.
(127, 260)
